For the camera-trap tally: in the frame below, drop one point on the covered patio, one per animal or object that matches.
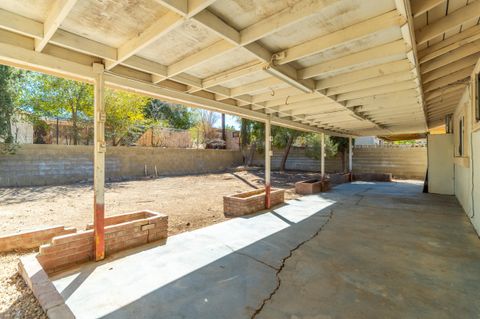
(345, 68)
(366, 250)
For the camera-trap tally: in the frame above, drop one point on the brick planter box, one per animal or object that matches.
(32, 238)
(312, 186)
(121, 232)
(250, 202)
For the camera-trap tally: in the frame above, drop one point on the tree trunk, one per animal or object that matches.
(286, 153)
(253, 149)
(343, 162)
(74, 126)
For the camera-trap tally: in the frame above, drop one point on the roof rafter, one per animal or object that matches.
(452, 20)
(56, 15)
(332, 40)
(160, 27)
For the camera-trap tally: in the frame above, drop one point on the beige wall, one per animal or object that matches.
(440, 164)
(402, 162)
(297, 160)
(467, 167)
(61, 164)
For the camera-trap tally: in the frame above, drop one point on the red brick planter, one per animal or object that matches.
(121, 232)
(32, 238)
(250, 202)
(312, 186)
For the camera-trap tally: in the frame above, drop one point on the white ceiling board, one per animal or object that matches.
(112, 22)
(190, 37)
(333, 18)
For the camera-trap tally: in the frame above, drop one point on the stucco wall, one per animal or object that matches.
(62, 164)
(467, 183)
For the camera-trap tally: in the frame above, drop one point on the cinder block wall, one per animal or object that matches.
(36, 165)
(297, 160)
(402, 162)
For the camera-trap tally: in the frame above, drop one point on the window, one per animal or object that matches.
(461, 132)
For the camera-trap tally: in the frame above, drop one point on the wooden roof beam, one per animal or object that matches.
(335, 39)
(385, 53)
(159, 28)
(452, 20)
(419, 7)
(55, 17)
(443, 47)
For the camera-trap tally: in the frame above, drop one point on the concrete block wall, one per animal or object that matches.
(401, 162)
(298, 161)
(37, 165)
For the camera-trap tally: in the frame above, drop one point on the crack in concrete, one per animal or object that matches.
(257, 260)
(279, 270)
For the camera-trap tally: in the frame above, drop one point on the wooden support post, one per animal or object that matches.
(322, 156)
(99, 162)
(350, 157)
(268, 157)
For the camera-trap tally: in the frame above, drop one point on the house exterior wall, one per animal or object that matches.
(467, 165)
(36, 165)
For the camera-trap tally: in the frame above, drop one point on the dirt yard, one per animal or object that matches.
(189, 201)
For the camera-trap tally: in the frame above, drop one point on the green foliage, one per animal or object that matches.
(173, 115)
(313, 146)
(282, 136)
(125, 117)
(40, 131)
(48, 96)
(8, 108)
(340, 142)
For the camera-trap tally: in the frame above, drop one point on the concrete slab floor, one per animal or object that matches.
(364, 250)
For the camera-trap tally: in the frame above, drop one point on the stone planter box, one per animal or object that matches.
(122, 232)
(312, 186)
(250, 202)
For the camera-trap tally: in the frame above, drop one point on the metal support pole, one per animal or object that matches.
(322, 156)
(99, 162)
(268, 156)
(350, 156)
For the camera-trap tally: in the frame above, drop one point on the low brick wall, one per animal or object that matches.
(250, 202)
(312, 186)
(121, 232)
(32, 238)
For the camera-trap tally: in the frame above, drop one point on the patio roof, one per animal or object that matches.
(341, 67)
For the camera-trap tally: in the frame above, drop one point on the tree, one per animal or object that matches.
(174, 115)
(50, 96)
(313, 146)
(207, 120)
(342, 147)
(125, 115)
(284, 138)
(7, 108)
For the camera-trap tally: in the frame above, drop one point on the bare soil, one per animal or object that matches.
(190, 202)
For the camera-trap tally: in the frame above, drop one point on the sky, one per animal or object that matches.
(230, 120)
